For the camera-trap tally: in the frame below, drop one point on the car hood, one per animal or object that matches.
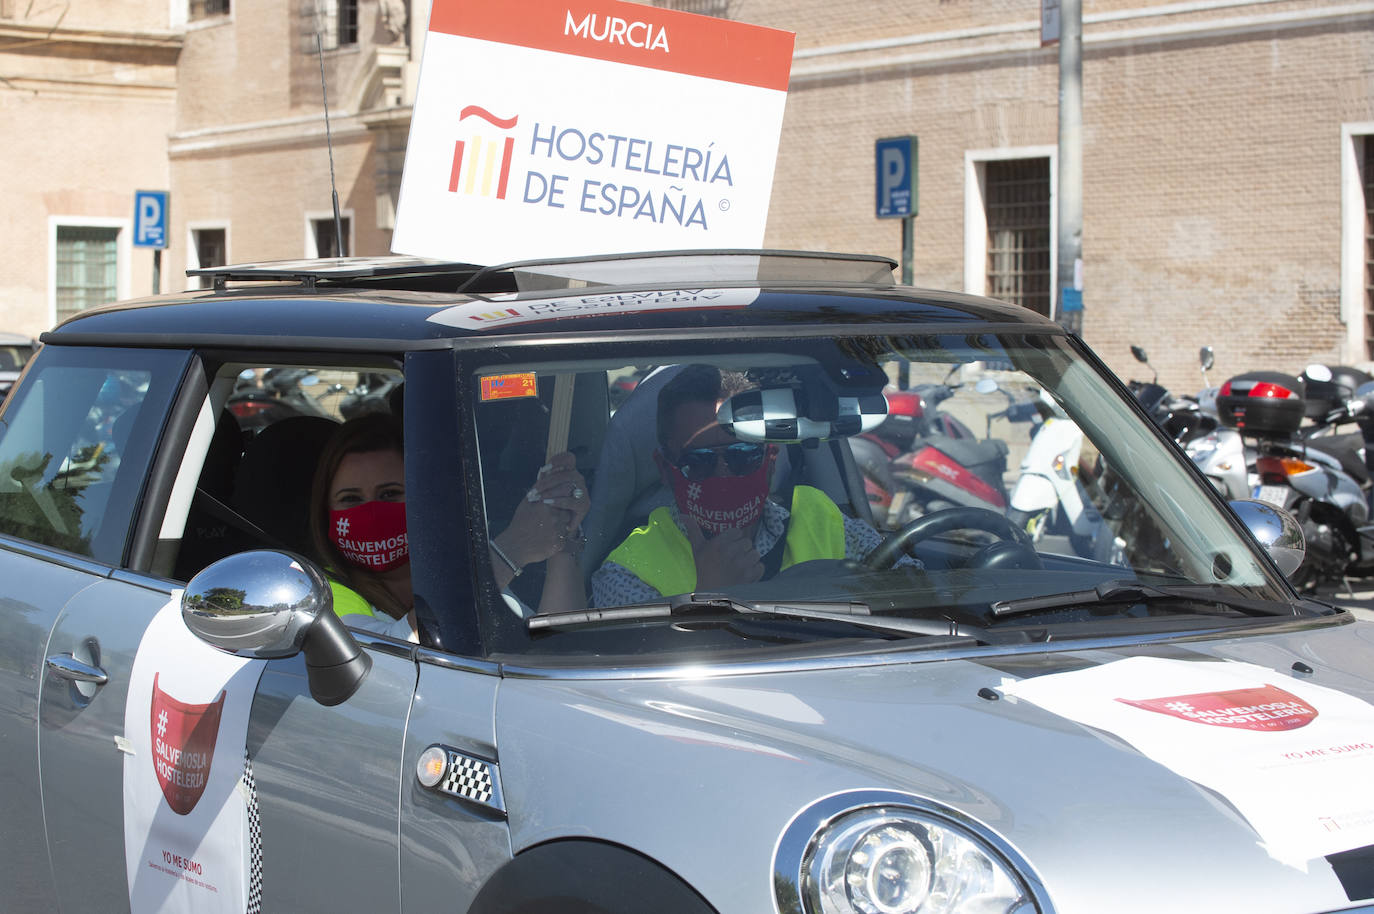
(709, 769)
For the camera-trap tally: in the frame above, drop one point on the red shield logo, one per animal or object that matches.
(183, 745)
(1265, 708)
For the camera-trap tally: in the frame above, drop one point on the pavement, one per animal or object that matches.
(1358, 597)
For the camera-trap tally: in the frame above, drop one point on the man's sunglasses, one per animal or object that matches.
(741, 459)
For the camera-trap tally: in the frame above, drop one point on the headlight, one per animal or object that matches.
(895, 859)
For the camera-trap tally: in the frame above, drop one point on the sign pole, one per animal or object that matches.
(908, 249)
(150, 227)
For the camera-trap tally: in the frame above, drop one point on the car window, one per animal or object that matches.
(928, 479)
(12, 358)
(245, 482)
(76, 442)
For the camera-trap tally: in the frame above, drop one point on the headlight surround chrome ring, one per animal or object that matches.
(882, 852)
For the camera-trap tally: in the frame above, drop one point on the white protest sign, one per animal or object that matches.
(1294, 758)
(191, 839)
(547, 129)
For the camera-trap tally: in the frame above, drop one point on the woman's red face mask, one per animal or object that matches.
(372, 535)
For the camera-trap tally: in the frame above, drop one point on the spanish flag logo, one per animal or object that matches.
(481, 161)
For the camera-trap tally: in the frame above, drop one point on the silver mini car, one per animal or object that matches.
(686, 582)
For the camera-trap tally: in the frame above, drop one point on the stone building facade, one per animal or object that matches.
(1227, 152)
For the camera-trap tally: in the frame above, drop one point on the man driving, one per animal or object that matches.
(722, 529)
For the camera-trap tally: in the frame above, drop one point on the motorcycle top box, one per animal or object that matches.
(1266, 404)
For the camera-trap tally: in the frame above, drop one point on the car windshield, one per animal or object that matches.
(785, 492)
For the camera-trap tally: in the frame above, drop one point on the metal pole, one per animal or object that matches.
(908, 248)
(157, 271)
(1070, 262)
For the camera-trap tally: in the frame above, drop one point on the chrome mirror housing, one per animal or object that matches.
(1275, 529)
(266, 605)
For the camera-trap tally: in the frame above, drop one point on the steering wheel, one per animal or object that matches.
(1014, 550)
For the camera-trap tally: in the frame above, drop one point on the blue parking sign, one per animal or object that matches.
(895, 162)
(150, 218)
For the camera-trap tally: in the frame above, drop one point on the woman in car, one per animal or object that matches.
(358, 529)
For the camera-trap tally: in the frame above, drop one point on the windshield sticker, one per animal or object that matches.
(191, 841)
(510, 386)
(490, 315)
(1240, 730)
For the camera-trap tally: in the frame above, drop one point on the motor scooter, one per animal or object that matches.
(1048, 496)
(1318, 477)
(928, 459)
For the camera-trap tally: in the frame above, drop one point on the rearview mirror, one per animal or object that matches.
(789, 415)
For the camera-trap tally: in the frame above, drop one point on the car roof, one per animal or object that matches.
(372, 303)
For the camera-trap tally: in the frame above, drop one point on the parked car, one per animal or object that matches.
(15, 351)
(945, 717)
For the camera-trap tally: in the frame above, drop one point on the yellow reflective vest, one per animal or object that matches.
(660, 554)
(348, 602)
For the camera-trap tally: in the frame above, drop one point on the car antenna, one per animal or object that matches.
(329, 140)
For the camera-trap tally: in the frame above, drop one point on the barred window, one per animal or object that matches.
(87, 268)
(204, 9)
(1018, 212)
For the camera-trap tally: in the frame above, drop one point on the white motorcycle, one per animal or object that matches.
(1048, 496)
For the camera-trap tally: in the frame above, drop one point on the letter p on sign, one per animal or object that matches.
(150, 219)
(895, 159)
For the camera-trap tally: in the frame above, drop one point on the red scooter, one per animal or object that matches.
(922, 459)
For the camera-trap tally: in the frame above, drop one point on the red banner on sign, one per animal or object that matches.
(631, 33)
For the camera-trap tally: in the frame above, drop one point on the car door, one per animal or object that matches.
(321, 783)
(75, 445)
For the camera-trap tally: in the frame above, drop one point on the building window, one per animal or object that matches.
(335, 21)
(204, 9)
(210, 247)
(1017, 197)
(322, 235)
(87, 268)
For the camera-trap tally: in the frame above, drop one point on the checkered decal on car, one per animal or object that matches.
(773, 414)
(473, 779)
(254, 838)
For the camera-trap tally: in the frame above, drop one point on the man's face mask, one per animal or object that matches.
(372, 535)
(719, 502)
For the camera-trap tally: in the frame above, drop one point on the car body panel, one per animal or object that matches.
(328, 781)
(35, 592)
(80, 727)
(1083, 806)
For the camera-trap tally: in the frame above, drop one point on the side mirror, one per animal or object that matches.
(1318, 372)
(1206, 358)
(266, 605)
(1274, 529)
(1139, 353)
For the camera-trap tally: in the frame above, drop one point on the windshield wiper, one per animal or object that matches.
(1126, 591)
(854, 613)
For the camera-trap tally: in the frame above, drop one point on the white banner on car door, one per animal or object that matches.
(1294, 758)
(191, 840)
